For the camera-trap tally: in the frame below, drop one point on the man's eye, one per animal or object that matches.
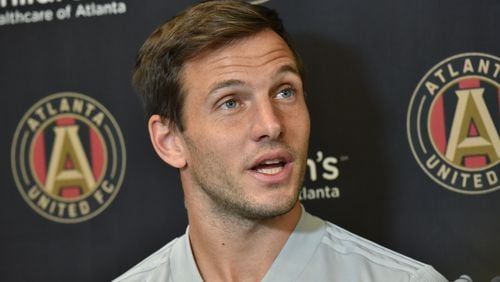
(229, 104)
(286, 93)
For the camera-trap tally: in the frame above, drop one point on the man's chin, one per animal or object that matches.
(263, 212)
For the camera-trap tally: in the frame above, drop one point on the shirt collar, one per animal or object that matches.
(291, 261)
(183, 265)
(298, 249)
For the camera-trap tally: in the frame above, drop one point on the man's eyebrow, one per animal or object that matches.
(236, 82)
(224, 84)
(287, 68)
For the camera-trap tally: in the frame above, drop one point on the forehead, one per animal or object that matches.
(258, 53)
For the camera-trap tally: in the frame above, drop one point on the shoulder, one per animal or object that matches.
(370, 260)
(152, 268)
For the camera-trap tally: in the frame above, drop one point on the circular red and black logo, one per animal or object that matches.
(453, 123)
(68, 157)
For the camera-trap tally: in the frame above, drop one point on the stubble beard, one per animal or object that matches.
(228, 200)
(237, 205)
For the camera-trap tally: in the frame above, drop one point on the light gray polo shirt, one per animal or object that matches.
(316, 251)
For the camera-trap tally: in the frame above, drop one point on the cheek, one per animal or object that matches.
(299, 123)
(217, 147)
(306, 120)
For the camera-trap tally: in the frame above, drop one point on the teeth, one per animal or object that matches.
(272, 170)
(268, 162)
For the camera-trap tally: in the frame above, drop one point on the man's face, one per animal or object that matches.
(246, 128)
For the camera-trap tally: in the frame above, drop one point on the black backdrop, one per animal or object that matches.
(364, 60)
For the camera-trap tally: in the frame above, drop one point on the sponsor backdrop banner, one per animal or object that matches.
(404, 99)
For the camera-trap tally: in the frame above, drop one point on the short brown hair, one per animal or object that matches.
(206, 26)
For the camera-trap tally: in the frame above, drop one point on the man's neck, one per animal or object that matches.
(232, 249)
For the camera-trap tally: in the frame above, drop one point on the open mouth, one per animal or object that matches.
(270, 167)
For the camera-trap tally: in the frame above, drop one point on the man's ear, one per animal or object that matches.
(166, 141)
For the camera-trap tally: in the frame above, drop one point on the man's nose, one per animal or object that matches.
(267, 121)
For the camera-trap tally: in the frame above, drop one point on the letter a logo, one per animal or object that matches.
(68, 165)
(473, 132)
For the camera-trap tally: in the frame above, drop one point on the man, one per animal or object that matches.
(223, 90)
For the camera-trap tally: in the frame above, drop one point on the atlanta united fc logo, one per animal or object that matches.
(68, 157)
(453, 123)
